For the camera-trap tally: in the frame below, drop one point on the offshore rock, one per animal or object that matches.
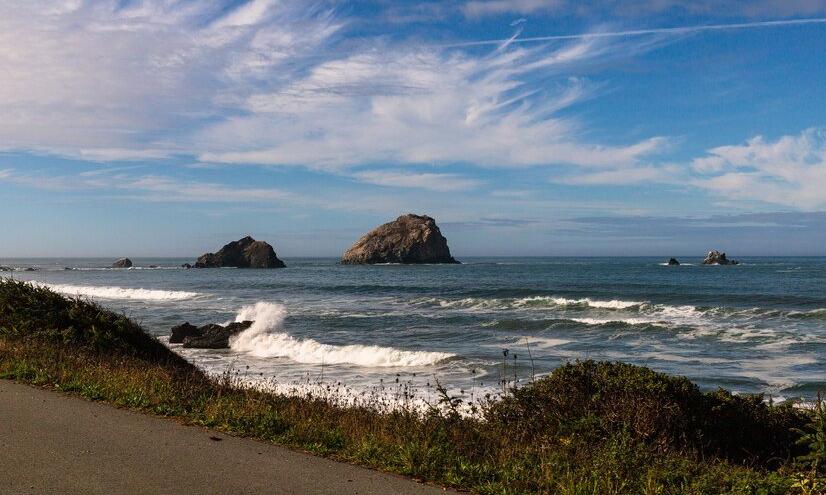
(673, 261)
(210, 336)
(243, 253)
(408, 239)
(122, 263)
(718, 258)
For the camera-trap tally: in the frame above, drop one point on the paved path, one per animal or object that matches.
(55, 444)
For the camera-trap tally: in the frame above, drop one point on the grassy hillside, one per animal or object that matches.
(588, 428)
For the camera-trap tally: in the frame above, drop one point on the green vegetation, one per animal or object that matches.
(588, 428)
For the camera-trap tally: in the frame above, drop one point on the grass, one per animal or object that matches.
(587, 428)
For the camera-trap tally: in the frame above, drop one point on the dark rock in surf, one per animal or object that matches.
(122, 263)
(210, 336)
(186, 265)
(182, 332)
(243, 253)
(673, 261)
(718, 258)
(409, 239)
(18, 269)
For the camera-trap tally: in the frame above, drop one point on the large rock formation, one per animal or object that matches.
(408, 239)
(122, 263)
(208, 336)
(243, 253)
(718, 258)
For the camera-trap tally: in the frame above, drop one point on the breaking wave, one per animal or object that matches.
(115, 293)
(527, 302)
(266, 339)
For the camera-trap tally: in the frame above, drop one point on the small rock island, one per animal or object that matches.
(410, 239)
(673, 262)
(122, 263)
(718, 258)
(243, 253)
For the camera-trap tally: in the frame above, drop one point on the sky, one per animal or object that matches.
(524, 127)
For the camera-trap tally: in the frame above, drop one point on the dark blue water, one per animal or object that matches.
(756, 327)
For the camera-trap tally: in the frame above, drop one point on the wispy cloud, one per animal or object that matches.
(625, 176)
(148, 187)
(267, 82)
(111, 80)
(639, 8)
(429, 181)
(681, 30)
(427, 105)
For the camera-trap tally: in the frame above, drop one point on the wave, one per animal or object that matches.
(101, 292)
(817, 314)
(615, 321)
(588, 302)
(527, 302)
(522, 325)
(264, 339)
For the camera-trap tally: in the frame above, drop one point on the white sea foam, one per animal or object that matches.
(529, 302)
(604, 321)
(102, 292)
(265, 338)
(592, 303)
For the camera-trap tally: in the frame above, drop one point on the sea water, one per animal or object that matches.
(756, 327)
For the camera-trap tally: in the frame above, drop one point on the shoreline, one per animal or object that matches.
(599, 427)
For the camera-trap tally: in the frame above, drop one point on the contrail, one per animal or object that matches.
(640, 32)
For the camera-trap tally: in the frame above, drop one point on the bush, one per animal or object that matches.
(591, 402)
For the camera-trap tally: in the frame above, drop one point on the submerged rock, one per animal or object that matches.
(243, 253)
(122, 263)
(210, 336)
(18, 269)
(408, 239)
(673, 261)
(718, 258)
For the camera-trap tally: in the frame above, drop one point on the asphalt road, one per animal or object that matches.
(51, 443)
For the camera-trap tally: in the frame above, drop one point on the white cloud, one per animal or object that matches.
(113, 80)
(148, 187)
(264, 83)
(429, 181)
(626, 176)
(425, 106)
(790, 171)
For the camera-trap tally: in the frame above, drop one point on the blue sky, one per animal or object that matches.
(525, 127)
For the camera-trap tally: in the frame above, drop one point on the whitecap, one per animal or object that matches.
(266, 339)
(117, 293)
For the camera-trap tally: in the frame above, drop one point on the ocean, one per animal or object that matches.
(756, 327)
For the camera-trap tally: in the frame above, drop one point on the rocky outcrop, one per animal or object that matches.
(122, 263)
(718, 258)
(186, 265)
(243, 253)
(210, 336)
(408, 239)
(673, 261)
